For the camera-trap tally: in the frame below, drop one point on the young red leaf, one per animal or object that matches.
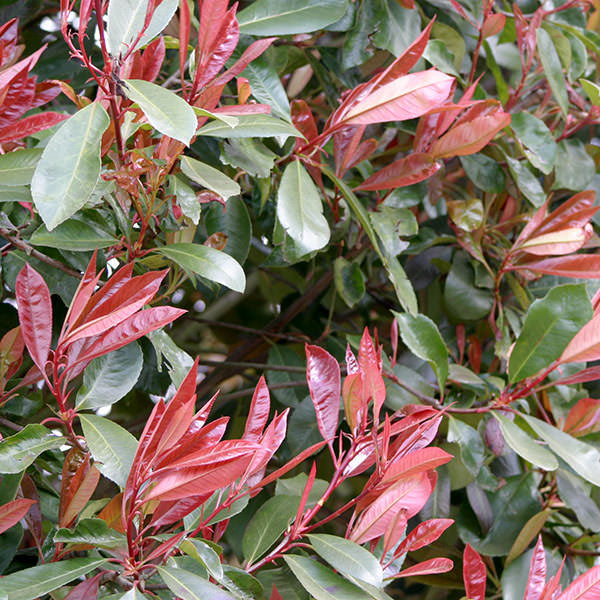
(423, 534)
(394, 533)
(407, 97)
(184, 35)
(580, 266)
(583, 376)
(433, 566)
(259, 411)
(35, 314)
(303, 120)
(536, 579)
(85, 590)
(585, 346)
(30, 125)
(418, 461)
(369, 361)
(172, 511)
(575, 212)
(560, 242)
(585, 587)
(12, 512)
(324, 380)
(253, 51)
(152, 59)
(402, 172)
(492, 25)
(83, 293)
(474, 574)
(583, 418)
(275, 595)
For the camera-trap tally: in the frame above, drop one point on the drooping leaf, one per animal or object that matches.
(324, 385)
(18, 451)
(69, 167)
(550, 324)
(271, 17)
(31, 583)
(300, 210)
(108, 378)
(207, 262)
(423, 339)
(165, 111)
(112, 447)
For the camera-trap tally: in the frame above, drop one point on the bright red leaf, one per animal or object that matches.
(474, 574)
(536, 579)
(12, 512)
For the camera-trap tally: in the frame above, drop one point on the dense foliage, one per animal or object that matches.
(299, 299)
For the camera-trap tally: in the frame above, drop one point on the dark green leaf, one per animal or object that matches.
(484, 172)
(233, 221)
(349, 280)
(526, 181)
(540, 147)
(76, 234)
(575, 168)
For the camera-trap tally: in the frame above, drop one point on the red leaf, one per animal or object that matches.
(409, 494)
(254, 50)
(423, 534)
(492, 25)
(537, 573)
(402, 172)
(303, 120)
(433, 566)
(585, 346)
(184, 35)
(86, 590)
(393, 534)
(152, 59)
(474, 574)
(583, 376)
(30, 125)
(583, 418)
(470, 137)
(132, 329)
(345, 144)
(575, 212)
(171, 511)
(35, 314)
(561, 242)
(352, 393)
(12, 512)
(324, 380)
(552, 588)
(369, 361)
(165, 547)
(418, 461)
(275, 595)
(580, 266)
(259, 411)
(83, 293)
(243, 109)
(585, 587)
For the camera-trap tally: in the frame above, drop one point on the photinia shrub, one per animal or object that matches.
(299, 300)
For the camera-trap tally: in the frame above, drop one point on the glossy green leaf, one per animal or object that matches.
(575, 168)
(423, 339)
(472, 450)
(17, 168)
(467, 215)
(207, 262)
(300, 210)
(189, 586)
(552, 68)
(209, 177)
(91, 531)
(349, 280)
(179, 362)
(484, 172)
(550, 324)
(165, 111)
(67, 173)
(18, 451)
(31, 583)
(234, 221)
(583, 458)
(592, 90)
(77, 234)
(294, 486)
(108, 378)
(125, 20)
(267, 525)
(249, 126)
(322, 583)
(348, 558)
(533, 133)
(396, 27)
(526, 446)
(526, 181)
(205, 555)
(273, 17)
(391, 223)
(575, 493)
(112, 447)
(186, 198)
(250, 155)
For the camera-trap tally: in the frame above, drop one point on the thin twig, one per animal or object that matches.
(252, 365)
(273, 334)
(249, 391)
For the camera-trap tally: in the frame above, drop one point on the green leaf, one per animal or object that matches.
(233, 221)
(29, 584)
(165, 111)
(91, 531)
(132, 594)
(205, 555)
(273, 17)
(190, 586)
(591, 89)
(125, 20)
(391, 223)
(108, 378)
(575, 168)
(552, 68)
(349, 280)
(472, 450)
(484, 172)
(550, 324)
(186, 198)
(77, 235)
(322, 583)
(251, 126)
(529, 532)
(467, 215)
(179, 361)
(250, 155)
(526, 181)
(207, 262)
(348, 558)
(396, 28)
(18, 451)
(300, 210)
(540, 147)
(423, 339)
(17, 168)
(526, 446)
(67, 173)
(209, 177)
(294, 486)
(575, 493)
(583, 458)
(267, 525)
(111, 446)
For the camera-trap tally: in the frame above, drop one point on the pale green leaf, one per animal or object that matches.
(18, 451)
(209, 177)
(189, 586)
(553, 69)
(251, 126)
(76, 234)
(17, 167)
